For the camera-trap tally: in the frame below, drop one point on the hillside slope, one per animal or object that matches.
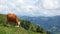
(26, 27)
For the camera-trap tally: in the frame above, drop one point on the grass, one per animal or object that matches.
(14, 30)
(11, 29)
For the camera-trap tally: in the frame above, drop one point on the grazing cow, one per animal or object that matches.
(12, 18)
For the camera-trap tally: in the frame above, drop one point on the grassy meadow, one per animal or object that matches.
(26, 27)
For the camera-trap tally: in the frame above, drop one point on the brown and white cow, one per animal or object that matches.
(12, 18)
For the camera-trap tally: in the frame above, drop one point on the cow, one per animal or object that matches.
(12, 18)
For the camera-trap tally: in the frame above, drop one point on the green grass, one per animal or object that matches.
(25, 27)
(14, 30)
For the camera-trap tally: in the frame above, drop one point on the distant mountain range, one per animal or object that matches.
(49, 23)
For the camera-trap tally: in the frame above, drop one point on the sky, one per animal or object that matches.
(30, 7)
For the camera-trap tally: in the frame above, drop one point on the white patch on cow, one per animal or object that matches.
(18, 23)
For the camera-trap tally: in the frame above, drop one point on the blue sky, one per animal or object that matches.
(31, 7)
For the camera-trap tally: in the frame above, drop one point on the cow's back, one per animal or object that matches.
(11, 17)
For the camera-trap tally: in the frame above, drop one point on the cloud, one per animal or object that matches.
(51, 4)
(31, 7)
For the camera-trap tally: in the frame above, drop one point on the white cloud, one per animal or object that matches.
(31, 2)
(31, 7)
(1, 6)
(51, 4)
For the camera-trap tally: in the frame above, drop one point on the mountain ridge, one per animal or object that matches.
(49, 23)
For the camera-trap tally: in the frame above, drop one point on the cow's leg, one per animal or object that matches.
(17, 25)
